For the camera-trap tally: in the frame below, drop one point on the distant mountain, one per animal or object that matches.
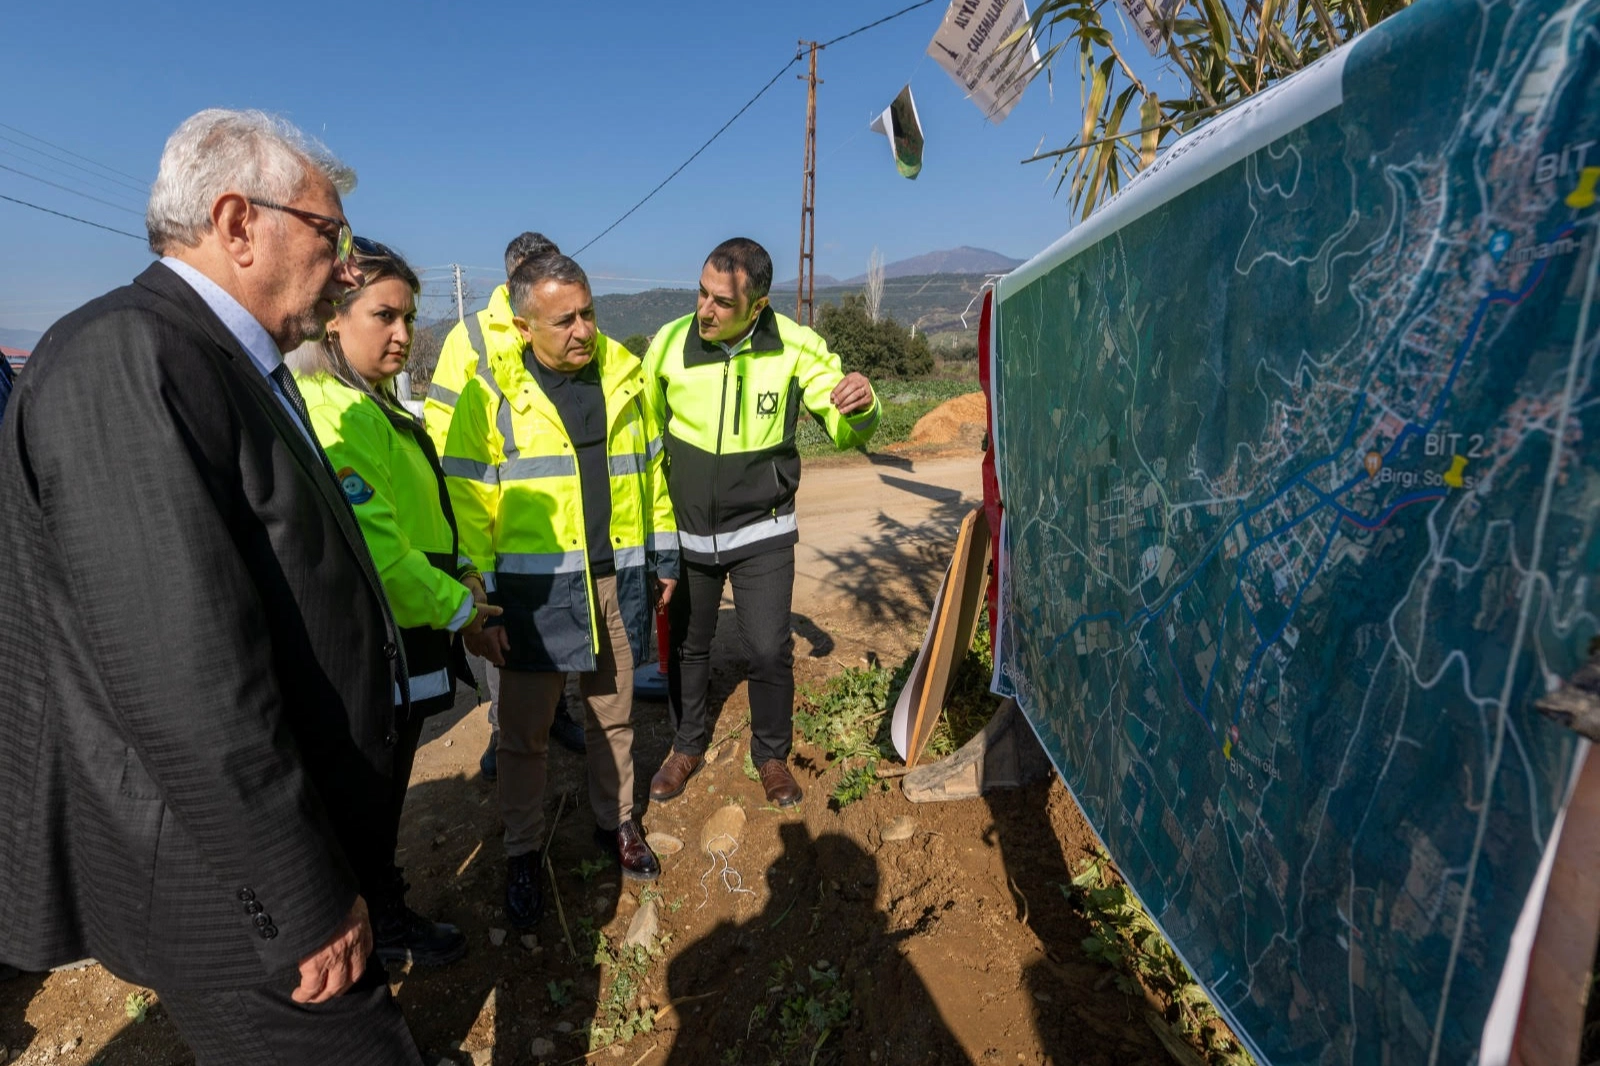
(932, 302)
(962, 260)
(20, 338)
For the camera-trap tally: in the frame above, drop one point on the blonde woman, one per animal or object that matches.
(391, 476)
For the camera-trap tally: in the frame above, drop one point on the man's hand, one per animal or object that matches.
(340, 962)
(491, 644)
(853, 394)
(485, 609)
(665, 585)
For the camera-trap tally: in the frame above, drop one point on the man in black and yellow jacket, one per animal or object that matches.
(730, 383)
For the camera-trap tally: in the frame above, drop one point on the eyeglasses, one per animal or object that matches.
(342, 240)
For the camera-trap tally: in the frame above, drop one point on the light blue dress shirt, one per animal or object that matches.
(246, 330)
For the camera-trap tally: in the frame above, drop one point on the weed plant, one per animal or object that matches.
(1123, 937)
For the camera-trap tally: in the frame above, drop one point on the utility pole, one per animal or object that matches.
(805, 283)
(461, 307)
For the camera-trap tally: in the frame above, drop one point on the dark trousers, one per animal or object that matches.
(265, 1027)
(763, 587)
(391, 893)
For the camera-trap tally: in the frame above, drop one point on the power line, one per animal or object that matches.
(67, 188)
(735, 118)
(143, 189)
(871, 25)
(795, 59)
(75, 218)
(87, 177)
(70, 152)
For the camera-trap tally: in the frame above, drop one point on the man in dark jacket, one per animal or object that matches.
(199, 714)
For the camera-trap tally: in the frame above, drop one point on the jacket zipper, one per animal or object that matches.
(738, 403)
(716, 462)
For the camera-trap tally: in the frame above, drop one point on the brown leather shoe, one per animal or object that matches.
(782, 788)
(674, 774)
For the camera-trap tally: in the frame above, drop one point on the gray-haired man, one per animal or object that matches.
(200, 731)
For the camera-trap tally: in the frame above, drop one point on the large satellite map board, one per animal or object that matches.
(1298, 448)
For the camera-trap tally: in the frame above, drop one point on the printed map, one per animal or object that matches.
(1297, 448)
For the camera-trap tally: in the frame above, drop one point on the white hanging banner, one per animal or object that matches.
(972, 46)
(1149, 18)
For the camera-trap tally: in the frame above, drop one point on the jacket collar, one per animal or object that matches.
(698, 351)
(165, 283)
(621, 378)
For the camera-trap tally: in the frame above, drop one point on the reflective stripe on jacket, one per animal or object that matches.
(513, 478)
(468, 347)
(732, 464)
(391, 478)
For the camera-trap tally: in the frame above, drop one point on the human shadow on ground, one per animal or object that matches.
(894, 571)
(770, 989)
(16, 1032)
(1081, 1015)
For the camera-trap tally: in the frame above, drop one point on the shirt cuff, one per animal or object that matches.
(463, 613)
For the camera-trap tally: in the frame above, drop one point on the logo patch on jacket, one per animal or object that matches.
(355, 487)
(767, 403)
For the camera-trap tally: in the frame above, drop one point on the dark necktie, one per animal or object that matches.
(291, 392)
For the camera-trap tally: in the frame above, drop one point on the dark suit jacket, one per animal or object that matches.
(196, 659)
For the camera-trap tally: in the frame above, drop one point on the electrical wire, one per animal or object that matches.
(68, 188)
(75, 155)
(143, 189)
(748, 104)
(75, 218)
(872, 25)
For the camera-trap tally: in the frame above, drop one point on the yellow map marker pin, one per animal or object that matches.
(1458, 466)
(1583, 195)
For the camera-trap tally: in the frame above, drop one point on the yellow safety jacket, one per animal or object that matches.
(729, 425)
(512, 474)
(468, 348)
(390, 475)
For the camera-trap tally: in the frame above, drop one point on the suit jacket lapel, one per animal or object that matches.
(169, 286)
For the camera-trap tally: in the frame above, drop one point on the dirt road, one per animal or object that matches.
(881, 933)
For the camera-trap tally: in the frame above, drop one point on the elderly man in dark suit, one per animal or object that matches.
(198, 707)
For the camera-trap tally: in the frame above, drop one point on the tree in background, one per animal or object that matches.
(874, 290)
(426, 343)
(882, 349)
(1225, 52)
(637, 343)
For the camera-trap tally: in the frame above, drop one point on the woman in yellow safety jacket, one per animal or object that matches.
(391, 477)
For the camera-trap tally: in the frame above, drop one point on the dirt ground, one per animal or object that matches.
(951, 945)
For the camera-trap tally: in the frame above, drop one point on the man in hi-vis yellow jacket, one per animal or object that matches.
(553, 464)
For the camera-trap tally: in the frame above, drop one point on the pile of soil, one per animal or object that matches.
(958, 421)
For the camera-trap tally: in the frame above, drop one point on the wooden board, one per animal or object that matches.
(1550, 1027)
(950, 635)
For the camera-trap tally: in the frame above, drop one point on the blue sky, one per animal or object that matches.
(469, 123)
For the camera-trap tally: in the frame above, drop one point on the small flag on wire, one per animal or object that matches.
(900, 124)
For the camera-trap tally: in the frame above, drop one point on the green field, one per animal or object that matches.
(904, 401)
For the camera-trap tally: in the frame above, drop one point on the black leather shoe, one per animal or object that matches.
(489, 762)
(567, 733)
(400, 934)
(626, 845)
(524, 890)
